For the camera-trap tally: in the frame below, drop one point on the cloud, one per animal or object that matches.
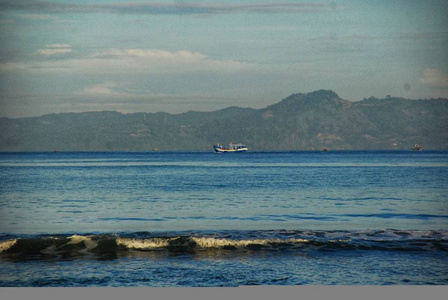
(435, 78)
(56, 49)
(118, 95)
(130, 61)
(104, 89)
(156, 54)
(12, 67)
(173, 8)
(112, 91)
(35, 17)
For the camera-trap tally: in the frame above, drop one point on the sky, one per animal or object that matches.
(203, 55)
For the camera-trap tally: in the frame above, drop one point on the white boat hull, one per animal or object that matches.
(220, 149)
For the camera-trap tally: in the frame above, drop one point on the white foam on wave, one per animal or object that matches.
(5, 245)
(201, 242)
(219, 243)
(76, 239)
(144, 243)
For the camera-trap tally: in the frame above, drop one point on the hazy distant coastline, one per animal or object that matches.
(313, 121)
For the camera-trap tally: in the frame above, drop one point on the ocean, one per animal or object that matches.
(201, 219)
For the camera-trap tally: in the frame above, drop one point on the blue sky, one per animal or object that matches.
(175, 56)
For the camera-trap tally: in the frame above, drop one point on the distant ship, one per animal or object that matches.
(232, 148)
(417, 147)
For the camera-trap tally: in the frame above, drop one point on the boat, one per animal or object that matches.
(232, 148)
(417, 147)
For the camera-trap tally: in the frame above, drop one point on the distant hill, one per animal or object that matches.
(312, 121)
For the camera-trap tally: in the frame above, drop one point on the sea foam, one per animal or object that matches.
(6, 245)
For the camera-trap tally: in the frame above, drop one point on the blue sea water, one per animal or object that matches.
(200, 219)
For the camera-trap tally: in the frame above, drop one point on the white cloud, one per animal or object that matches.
(153, 56)
(56, 49)
(103, 89)
(435, 77)
(134, 61)
(119, 96)
(111, 91)
(159, 54)
(114, 92)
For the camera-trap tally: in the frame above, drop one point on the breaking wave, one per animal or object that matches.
(237, 241)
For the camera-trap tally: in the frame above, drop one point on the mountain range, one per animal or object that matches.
(311, 121)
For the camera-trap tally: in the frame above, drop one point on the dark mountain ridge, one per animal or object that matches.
(312, 121)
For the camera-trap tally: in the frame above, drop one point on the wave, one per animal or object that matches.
(278, 241)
